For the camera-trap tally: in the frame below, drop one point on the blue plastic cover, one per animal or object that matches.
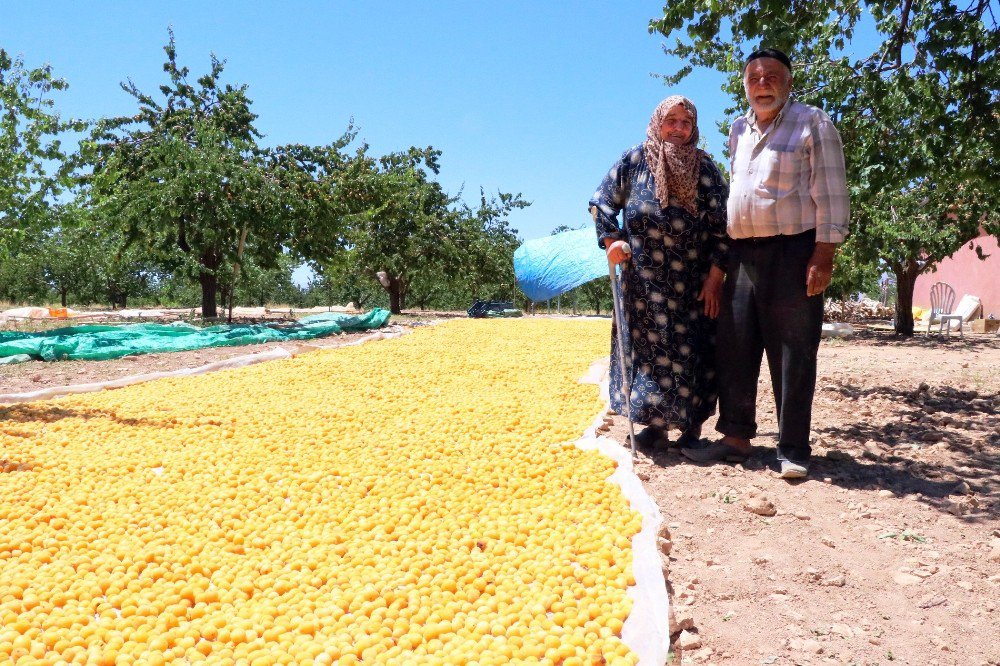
(550, 266)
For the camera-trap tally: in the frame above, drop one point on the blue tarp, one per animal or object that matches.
(550, 266)
(100, 342)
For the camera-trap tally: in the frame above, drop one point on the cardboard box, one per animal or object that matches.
(985, 325)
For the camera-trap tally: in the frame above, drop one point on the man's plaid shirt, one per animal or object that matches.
(790, 179)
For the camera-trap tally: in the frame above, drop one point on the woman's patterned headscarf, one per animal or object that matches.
(675, 169)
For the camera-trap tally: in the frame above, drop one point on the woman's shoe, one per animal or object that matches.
(705, 451)
(650, 438)
(689, 438)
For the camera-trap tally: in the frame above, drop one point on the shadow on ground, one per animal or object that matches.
(939, 442)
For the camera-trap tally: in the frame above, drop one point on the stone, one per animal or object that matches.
(689, 641)
(886, 493)
(827, 541)
(904, 578)
(665, 545)
(955, 508)
(760, 506)
(703, 655)
(664, 531)
(838, 455)
(834, 581)
(871, 451)
(806, 645)
(931, 601)
(842, 630)
(682, 620)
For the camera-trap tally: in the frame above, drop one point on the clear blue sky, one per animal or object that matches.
(530, 97)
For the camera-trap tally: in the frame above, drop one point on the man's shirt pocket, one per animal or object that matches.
(778, 172)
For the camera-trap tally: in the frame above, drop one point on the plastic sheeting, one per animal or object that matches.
(550, 266)
(646, 630)
(101, 342)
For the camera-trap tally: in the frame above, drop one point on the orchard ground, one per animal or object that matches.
(889, 553)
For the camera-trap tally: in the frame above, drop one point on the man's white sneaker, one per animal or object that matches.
(791, 470)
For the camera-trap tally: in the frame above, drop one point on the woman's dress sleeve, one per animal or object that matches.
(715, 195)
(610, 198)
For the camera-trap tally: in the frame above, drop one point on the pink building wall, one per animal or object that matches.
(967, 275)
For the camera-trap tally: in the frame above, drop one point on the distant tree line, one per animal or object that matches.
(179, 203)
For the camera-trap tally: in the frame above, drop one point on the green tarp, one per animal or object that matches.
(98, 342)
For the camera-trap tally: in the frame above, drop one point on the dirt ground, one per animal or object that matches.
(888, 553)
(37, 375)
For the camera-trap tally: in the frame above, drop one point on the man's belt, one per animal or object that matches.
(766, 240)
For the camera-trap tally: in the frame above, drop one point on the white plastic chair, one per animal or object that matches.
(942, 302)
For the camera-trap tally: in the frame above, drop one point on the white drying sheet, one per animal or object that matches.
(646, 630)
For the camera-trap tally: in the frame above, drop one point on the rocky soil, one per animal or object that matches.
(889, 553)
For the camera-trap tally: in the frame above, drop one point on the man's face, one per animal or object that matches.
(767, 83)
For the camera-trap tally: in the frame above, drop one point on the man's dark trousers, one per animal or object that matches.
(765, 309)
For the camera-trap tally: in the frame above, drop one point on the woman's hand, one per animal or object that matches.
(711, 292)
(619, 252)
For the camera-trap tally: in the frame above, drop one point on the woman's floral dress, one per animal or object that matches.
(672, 342)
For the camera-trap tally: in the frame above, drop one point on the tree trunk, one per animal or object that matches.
(395, 298)
(209, 285)
(209, 288)
(396, 287)
(63, 293)
(906, 277)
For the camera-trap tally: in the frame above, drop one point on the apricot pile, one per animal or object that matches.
(414, 500)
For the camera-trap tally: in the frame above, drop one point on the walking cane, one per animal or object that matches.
(619, 316)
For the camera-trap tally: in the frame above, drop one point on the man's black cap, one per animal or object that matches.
(769, 53)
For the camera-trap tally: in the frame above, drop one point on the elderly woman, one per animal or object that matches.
(674, 223)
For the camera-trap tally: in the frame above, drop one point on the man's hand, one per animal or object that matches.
(819, 270)
(711, 291)
(619, 252)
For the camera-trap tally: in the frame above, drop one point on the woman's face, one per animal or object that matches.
(677, 126)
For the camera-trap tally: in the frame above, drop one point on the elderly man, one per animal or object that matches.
(788, 210)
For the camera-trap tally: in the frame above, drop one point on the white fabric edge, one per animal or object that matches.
(275, 354)
(646, 630)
